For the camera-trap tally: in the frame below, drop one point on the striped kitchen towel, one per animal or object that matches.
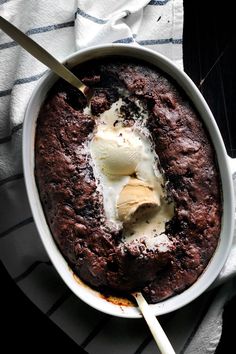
(62, 27)
(155, 24)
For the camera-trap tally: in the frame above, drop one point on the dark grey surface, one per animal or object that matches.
(209, 49)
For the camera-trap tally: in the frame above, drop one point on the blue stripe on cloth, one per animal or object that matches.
(39, 30)
(50, 28)
(158, 2)
(24, 80)
(124, 40)
(89, 17)
(160, 41)
(5, 92)
(8, 45)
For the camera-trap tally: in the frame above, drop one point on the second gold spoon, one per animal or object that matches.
(42, 55)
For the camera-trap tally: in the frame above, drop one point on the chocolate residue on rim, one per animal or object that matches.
(114, 299)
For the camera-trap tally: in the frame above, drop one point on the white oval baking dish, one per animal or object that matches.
(226, 166)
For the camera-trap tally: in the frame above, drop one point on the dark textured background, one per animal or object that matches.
(209, 50)
(209, 59)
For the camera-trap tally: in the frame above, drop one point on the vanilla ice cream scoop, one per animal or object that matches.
(126, 168)
(117, 151)
(135, 194)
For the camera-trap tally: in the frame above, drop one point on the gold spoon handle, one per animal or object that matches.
(158, 333)
(41, 54)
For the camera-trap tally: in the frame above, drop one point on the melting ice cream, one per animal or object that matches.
(126, 166)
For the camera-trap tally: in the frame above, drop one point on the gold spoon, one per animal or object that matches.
(157, 331)
(46, 58)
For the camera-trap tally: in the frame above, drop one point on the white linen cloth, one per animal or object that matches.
(62, 27)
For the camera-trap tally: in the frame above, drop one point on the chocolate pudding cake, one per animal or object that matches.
(129, 184)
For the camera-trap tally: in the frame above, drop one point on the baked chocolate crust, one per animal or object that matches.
(73, 205)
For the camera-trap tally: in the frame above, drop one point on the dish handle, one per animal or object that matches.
(232, 164)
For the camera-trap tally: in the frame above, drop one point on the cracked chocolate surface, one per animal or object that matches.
(73, 205)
